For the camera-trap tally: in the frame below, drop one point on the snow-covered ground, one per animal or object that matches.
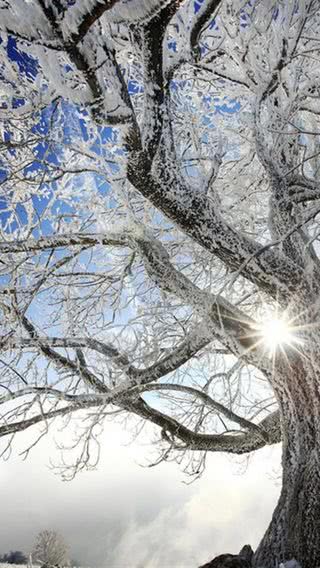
(5, 565)
(290, 564)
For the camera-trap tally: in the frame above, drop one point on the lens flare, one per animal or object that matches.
(277, 333)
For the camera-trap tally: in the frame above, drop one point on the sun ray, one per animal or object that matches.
(278, 334)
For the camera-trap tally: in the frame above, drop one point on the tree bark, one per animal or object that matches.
(294, 531)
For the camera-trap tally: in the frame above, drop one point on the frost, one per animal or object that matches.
(159, 196)
(25, 17)
(290, 564)
(135, 10)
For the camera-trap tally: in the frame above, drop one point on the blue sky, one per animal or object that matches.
(120, 506)
(73, 122)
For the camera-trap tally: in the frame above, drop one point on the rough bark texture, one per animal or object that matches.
(294, 531)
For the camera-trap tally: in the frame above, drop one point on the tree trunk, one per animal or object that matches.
(294, 531)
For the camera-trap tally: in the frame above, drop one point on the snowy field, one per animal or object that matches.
(290, 564)
(5, 565)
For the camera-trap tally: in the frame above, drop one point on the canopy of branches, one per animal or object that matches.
(159, 199)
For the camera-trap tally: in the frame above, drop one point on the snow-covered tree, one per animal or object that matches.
(50, 550)
(14, 557)
(159, 252)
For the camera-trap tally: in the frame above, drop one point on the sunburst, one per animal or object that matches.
(278, 334)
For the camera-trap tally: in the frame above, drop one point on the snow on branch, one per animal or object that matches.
(159, 182)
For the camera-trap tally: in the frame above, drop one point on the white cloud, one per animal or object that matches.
(225, 512)
(124, 515)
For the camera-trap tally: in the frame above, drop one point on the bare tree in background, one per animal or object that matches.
(159, 202)
(50, 550)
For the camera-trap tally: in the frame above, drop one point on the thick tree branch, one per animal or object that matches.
(235, 444)
(90, 14)
(149, 39)
(271, 270)
(205, 13)
(211, 403)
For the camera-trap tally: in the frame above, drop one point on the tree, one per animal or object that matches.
(14, 557)
(160, 202)
(50, 549)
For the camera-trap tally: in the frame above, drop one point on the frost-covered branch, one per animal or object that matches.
(210, 403)
(237, 444)
(205, 13)
(159, 185)
(62, 241)
(24, 424)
